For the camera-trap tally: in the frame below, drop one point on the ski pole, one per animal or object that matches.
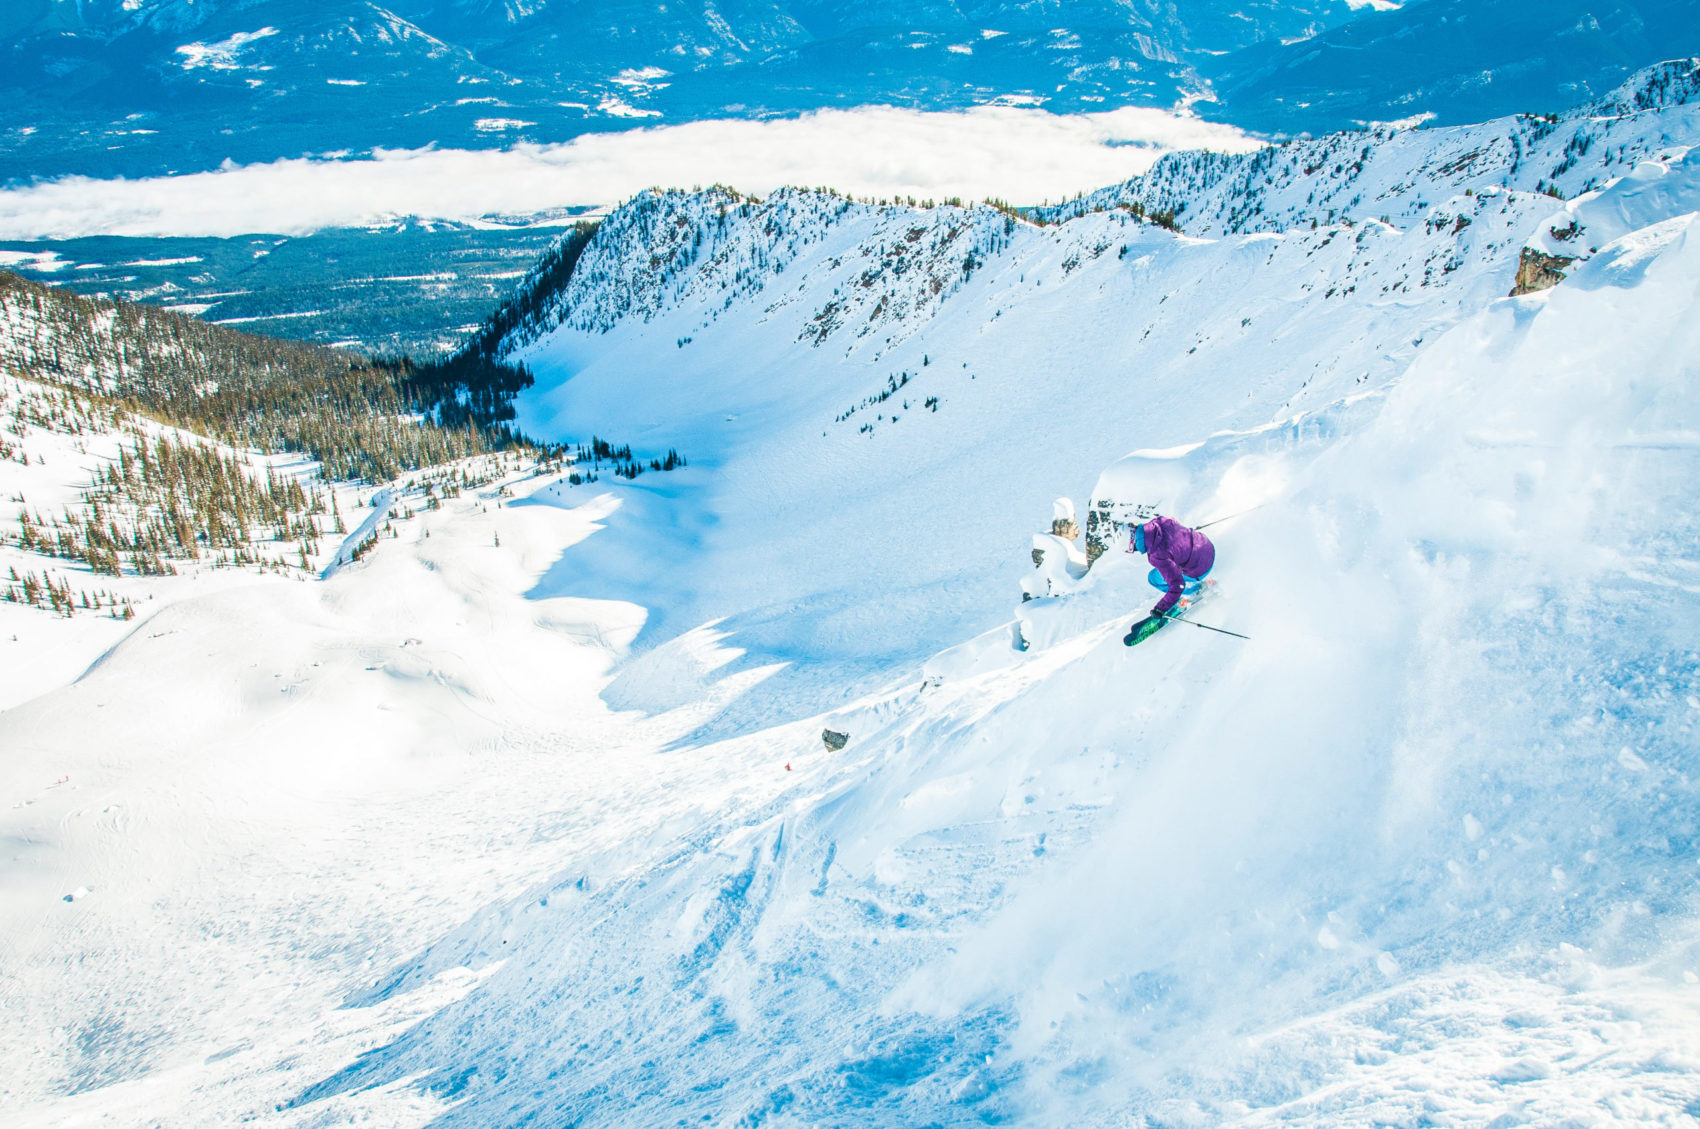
(1230, 517)
(1207, 627)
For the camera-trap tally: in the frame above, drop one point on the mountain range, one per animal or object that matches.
(155, 86)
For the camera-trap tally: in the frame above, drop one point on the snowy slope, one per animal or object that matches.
(758, 337)
(55, 445)
(529, 821)
(1401, 174)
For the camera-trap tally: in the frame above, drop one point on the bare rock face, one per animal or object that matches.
(1100, 529)
(1062, 519)
(1111, 520)
(833, 739)
(1537, 270)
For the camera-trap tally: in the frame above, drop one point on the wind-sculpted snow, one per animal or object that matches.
(1650, 193)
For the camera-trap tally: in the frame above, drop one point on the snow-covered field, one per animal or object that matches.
(526, 817)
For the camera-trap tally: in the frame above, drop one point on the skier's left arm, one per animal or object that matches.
(1170, 572)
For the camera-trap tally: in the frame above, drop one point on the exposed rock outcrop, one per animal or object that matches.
(1537, 270)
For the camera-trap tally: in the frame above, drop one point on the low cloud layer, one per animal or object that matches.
(1018, 154)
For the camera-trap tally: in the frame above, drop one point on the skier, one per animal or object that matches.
(1181, 558)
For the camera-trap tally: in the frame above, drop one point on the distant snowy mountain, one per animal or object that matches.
(1450, 61)
(529, 816)
(162, 85)
(176, 87)
(153, 86)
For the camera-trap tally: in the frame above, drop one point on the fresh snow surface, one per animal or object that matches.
(543, 831)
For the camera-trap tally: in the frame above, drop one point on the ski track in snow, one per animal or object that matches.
(543, 832)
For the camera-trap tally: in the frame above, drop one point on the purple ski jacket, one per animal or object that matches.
(1176, 552)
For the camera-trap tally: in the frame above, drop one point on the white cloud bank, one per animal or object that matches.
(1021, 155)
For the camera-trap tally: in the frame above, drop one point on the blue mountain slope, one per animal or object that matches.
(1459, 60)
(256, 82)
(99, 88)
(104, 88)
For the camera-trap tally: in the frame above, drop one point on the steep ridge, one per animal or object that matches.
(664, 246)
(1398, 173)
